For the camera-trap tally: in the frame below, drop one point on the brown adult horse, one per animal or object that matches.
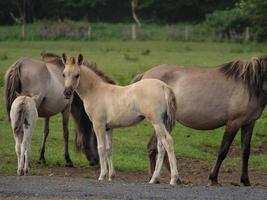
(233, 94)
(45, 80)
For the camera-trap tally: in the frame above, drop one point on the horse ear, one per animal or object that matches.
(80, 59)
(64, 58)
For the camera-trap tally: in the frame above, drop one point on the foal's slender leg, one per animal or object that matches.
(100, 131)
(23, 149)
(227, 140)
(108, 137)
(65, 123)
(152, 153)
(27, 141)
(17, 148)
(46, 132)
(161, 153)
(246, 134)
(167, 142)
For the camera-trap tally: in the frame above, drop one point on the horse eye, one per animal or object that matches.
(77, 76)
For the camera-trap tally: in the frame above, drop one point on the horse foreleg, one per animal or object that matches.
(65, 123)
(108, 137)
(246, 134)
(227, 140)
(100, 131)
(46, 132)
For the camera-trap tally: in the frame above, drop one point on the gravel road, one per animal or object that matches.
(80, 188)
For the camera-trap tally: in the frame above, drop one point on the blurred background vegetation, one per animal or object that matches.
(201, 20)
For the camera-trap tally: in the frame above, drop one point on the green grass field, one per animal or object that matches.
(122, 61)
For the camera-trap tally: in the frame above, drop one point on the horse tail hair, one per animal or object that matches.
(137, 78)
(85, 139)
(12, 84)
(21, 117)
(169, 118)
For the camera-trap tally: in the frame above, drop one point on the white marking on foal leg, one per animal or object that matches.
(100, 136)
(160, 158)
(109, 154)
(168, 145)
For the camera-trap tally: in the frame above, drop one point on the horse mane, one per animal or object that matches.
(52, 58)
(98, 72)
(252, 72)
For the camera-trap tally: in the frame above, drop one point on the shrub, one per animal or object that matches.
(227, 23)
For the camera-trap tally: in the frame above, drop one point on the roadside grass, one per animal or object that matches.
(129, 143)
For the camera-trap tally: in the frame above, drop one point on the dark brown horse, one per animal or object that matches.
(45, 80)
(233, 94)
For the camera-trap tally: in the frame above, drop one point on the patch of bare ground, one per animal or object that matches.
(193, 172)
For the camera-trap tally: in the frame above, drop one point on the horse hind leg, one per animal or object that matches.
(152, 153)
(167, 142)
(246, 134)
(18, 152)
(65, 122)
(45, 135)
(27, 142)
(161, 152)
(227, 140)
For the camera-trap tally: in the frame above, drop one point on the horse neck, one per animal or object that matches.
(89, 83)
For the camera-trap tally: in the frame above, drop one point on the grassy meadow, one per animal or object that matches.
(122, 60)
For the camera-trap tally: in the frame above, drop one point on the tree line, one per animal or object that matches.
(159, 11)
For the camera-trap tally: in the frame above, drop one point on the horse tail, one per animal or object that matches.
(169, 119)
(137, 78)
(85, 139)
(20, 117)
(12, 84)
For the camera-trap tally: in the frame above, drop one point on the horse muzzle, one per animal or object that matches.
(68, 93)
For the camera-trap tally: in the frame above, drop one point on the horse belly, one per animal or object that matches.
(52, 106)
(125, 120)
(201, 111)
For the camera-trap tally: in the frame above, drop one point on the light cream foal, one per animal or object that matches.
(112, 106)
(23, 116)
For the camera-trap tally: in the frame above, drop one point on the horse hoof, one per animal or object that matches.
(93, 162)
(42, 162)
(246, 183)
(69, 164)
(179, 182)
(20, 172)
(214, 183)
(26, 172)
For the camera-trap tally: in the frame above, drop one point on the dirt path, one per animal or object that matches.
(81, 188)
(193, 172)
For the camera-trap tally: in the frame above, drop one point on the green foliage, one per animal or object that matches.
(165, 11)
(255, 11)
(227, 22)
(247, 13)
